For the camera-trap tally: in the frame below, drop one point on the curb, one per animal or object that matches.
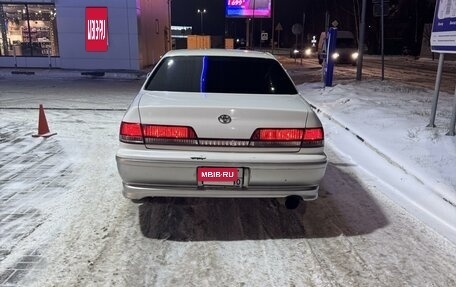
(424, 202)
(60, 73)
(382, 154)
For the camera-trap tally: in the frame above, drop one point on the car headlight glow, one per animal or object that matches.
(295, 51)
(308, 52)
(355, 55)
(335, 56)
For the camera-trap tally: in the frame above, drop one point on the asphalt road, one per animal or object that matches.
(406, 70)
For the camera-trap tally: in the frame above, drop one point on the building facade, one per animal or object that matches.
(84, 34)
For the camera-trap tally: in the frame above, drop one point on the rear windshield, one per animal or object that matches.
(215, 74)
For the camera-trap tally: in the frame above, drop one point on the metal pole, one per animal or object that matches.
(253, 23)
(202, 30)
(272, 30)
(436, 91)
(359, 70)
(201, 12)
(327, 21)
(296, 47)
(278, 39)
(356, 13)
(323, 48)
(453, 118)
(247, 33)
(416, 28)
(170, 40)
(383, 38)
(303, 26)
(302, 35)
(261, 31)
(323, 72)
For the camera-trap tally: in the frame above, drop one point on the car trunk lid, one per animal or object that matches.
(223, 116)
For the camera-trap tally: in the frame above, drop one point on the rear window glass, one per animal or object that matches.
(215, 74)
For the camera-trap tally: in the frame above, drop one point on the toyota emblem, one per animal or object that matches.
(224, 119)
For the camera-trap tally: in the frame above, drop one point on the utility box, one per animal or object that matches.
(229, 43)
(204, 42)
(192, 42)
(198, 42)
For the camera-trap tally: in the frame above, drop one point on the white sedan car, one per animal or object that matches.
(220, 123)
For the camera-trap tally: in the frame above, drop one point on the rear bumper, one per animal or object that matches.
(133, 191)
(153, 173)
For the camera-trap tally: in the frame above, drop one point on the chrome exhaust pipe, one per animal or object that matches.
(292, 201)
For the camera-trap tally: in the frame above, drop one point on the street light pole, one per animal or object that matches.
(272, 28)
(253, 29)
(201, 12)
(359, 69)
(170, 40)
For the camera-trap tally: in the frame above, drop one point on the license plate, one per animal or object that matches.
(220, 176)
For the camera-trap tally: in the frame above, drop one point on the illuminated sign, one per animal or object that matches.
(248, 8)
(96, 34)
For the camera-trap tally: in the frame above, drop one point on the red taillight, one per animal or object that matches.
(175, 132)
(315, 134)
(169, 135)
(130, 133)
(313, 137)
(157, 134)
(293, 137)
(280, 134)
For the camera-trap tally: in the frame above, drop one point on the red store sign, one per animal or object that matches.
(96, 34)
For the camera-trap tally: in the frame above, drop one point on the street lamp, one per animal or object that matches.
(201, 12)
(169, 46)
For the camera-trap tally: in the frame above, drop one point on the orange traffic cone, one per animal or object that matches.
(43, 128)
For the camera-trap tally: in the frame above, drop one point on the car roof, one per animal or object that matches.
(219, 52)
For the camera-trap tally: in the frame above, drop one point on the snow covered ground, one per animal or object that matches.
(63, 221)
(391, 119)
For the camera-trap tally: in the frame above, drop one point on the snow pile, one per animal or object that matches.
(391, 119)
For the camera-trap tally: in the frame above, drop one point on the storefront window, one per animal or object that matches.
(28, 30)
(13, 18)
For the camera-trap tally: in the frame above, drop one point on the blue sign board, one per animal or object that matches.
(331, 47)
(443, 37)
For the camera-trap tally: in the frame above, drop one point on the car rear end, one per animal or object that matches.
(194, 131)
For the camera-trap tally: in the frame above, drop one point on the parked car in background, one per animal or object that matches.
(220, 123)
(346, 48)
(298, 51)
(240, 43)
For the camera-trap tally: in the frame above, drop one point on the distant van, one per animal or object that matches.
(346, 48)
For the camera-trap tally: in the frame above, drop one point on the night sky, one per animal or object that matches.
(287, 12)
(406, 18)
